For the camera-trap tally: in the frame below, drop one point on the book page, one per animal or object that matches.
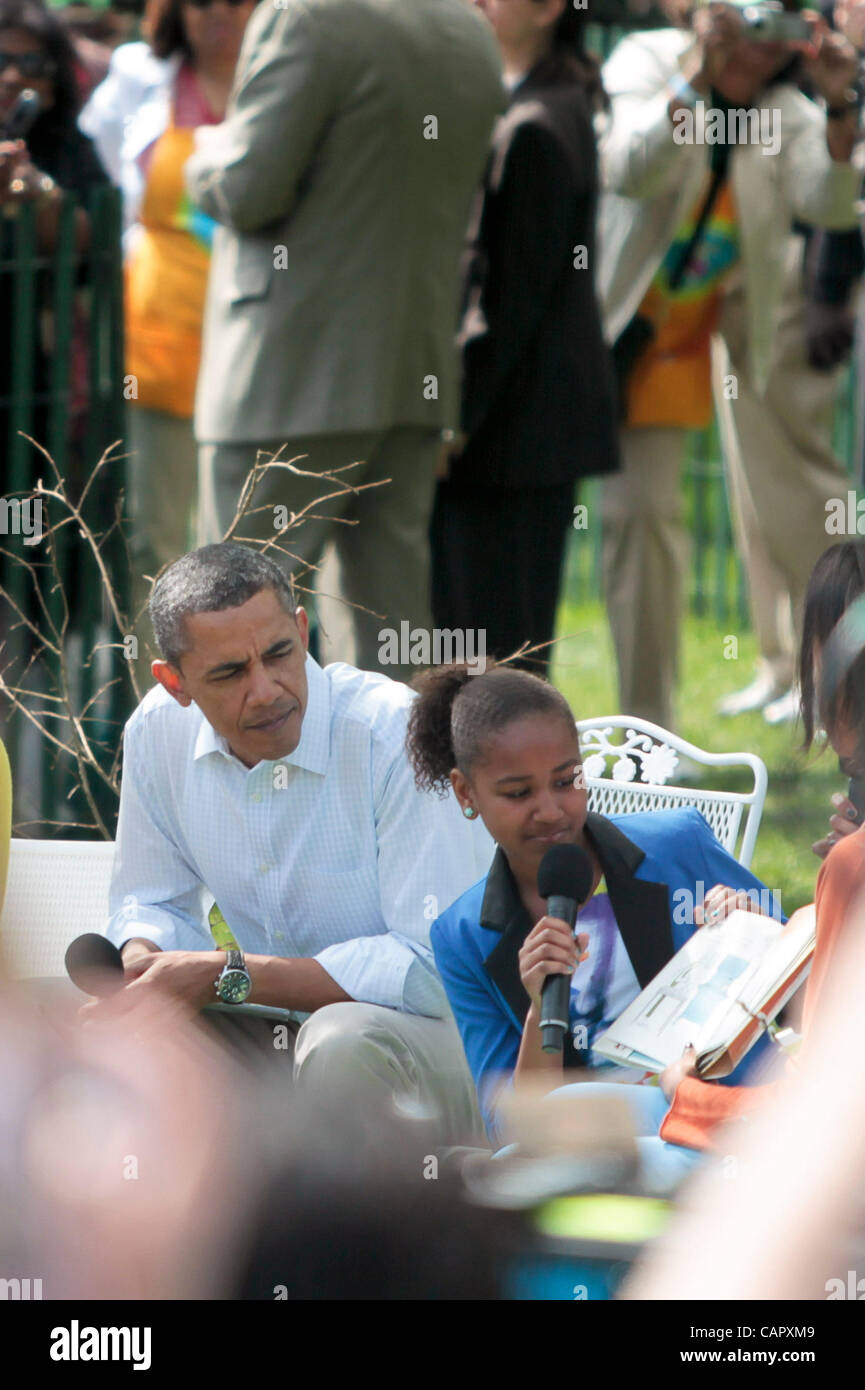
(693, 999)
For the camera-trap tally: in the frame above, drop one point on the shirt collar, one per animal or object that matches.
(312, 752)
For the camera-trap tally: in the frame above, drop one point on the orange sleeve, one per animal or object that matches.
(840, 880)
(699, 1107)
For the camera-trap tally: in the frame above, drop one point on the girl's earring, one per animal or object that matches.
(469, 812)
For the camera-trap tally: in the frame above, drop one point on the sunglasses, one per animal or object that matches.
(28, 64)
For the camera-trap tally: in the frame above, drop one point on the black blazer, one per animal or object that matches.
(538, 393)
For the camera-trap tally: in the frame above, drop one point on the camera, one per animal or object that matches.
(769, 22)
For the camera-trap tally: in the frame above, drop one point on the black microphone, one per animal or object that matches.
(564, 879)
(94, 964)
(21, 116)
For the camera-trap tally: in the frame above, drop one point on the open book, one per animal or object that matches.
(719, 993)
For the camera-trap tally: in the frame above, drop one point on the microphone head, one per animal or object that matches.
(566, 872)
(94, 964)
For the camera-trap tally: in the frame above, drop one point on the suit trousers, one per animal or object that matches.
(497, 564)
(162, 480)
(380, 535)
(643, 555)
(379, 1057)
(781, 469)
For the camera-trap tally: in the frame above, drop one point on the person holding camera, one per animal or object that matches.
(710, 154)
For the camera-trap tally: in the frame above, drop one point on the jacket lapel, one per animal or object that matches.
(641, 908)
(502, 910)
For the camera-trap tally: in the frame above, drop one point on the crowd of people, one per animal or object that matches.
(440, 243)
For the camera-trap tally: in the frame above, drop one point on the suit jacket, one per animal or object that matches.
(652, 183)
(698, 1109)
(646, 858)
(342, 177)
(538, 395)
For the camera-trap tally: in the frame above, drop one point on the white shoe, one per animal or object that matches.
(757, 695)
(784, 710)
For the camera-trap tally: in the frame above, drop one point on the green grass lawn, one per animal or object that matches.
(797, 804)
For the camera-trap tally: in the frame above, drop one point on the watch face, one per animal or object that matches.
(234, 986)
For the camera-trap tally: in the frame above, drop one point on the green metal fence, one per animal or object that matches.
(61, 383)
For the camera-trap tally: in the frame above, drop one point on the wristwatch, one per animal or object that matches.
(233, 984)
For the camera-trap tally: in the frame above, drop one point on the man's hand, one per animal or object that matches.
(676, 1072)
(187, 975)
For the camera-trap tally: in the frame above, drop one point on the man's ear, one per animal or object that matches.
(170, 678)
(302, 620)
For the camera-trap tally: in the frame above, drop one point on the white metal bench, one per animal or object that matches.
(633, 774)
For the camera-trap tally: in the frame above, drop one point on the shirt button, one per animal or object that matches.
(256, 796)
(264, 868)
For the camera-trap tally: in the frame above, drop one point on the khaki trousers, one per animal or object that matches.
(643, 558)
(379, 1058)
(780, 466)
(392, 1058)
(162, 475)
(379, 536)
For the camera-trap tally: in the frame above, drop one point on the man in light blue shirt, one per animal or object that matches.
(254, 777)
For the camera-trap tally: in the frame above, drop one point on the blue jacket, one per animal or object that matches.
(658, 865)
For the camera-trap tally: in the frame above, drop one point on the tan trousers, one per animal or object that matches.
(380, 1059)
(379, 536)
(643, 558)
(388, 1057)
(162, 473)
(780, 466)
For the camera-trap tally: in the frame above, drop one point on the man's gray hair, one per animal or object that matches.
(208, 580)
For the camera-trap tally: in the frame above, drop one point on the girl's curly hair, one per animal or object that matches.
(456, 713)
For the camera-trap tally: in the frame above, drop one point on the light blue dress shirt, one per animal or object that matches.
(329, 852)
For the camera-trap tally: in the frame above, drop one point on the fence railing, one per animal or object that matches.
(61, 384)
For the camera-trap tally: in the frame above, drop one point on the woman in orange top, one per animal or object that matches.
(145, 119)
(697, 1108)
